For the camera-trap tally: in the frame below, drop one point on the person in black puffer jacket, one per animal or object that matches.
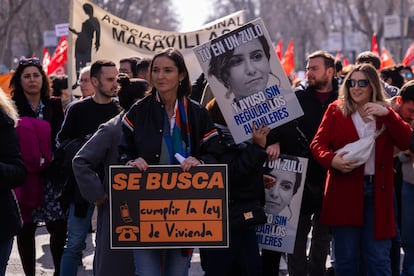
(245, 173)
(12, 174)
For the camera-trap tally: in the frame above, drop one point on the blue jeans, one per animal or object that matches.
(356, 250)
(75, 242)
(148, 262)
(407, 228)
(5, 250)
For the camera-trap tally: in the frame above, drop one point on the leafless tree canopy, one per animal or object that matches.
(22, 22)
(308, 22)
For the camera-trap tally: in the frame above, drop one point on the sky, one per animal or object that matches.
(192, 13)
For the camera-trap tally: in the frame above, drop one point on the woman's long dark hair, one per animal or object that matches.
(184, 89)
(16, 88)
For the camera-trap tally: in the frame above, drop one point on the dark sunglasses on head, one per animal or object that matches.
(353, 83)
(27, 61)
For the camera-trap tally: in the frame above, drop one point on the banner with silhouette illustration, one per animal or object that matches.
(165, 207)
(97, 34)
(284, 180)
(247, 79)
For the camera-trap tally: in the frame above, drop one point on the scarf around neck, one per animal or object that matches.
(178, 139)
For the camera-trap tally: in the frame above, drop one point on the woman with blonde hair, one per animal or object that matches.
(358, 202)
(12, 173)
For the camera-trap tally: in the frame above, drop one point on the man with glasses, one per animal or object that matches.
(84, 82)
(406, 73)
(403, 104)
(129, 66)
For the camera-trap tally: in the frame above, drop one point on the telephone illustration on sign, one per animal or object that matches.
(126, 217)
(127, 232)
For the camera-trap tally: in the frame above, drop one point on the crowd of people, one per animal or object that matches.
(55, 168)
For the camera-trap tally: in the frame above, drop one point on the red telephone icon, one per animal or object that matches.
(127, 232)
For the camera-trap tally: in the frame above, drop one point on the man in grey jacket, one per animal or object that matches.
(101, 149)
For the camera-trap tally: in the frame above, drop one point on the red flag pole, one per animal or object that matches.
(288, 60)
(374, 44)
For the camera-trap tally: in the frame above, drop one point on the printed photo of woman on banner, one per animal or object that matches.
(284, 181)
(247, 79)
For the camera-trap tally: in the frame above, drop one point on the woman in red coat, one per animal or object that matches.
(358, 201)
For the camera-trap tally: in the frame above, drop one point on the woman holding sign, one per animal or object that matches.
(362, 228)
(246, 199)
(156, 129)
(244, 66)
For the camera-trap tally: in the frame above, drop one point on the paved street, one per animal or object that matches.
(44, 263)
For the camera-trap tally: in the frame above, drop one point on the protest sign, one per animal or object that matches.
(247, 80)
(283, 201)
(97, 34)
(165, 207)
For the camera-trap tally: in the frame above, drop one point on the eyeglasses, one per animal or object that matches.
(28, 61)
(407, 75)
(353, 83)
(80, 81)
(125, 71)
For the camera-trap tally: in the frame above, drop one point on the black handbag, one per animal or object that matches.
(246, 214)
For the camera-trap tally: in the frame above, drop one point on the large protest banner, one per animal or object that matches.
(283, 200)
(247, 80)
(96, 34)
(165, 207)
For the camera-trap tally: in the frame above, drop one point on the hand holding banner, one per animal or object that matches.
(247, 79)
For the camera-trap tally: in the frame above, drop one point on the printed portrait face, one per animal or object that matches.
(279, 195)
(249, 69)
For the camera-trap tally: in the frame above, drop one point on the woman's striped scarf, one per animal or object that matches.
(177, 141)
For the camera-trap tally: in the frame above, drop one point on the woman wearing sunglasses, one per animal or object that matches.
(358, 201)
(40, 119)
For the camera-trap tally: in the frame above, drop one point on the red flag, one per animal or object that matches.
(338, 55)
(386, 58)
(409, 55)
(60, 56)
(345, 61)
(45, 60)
(279, 48)
(288, 60)
(374, 44)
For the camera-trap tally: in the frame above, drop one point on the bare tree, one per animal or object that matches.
(23, 22)
(309, 22)
(9, 9)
